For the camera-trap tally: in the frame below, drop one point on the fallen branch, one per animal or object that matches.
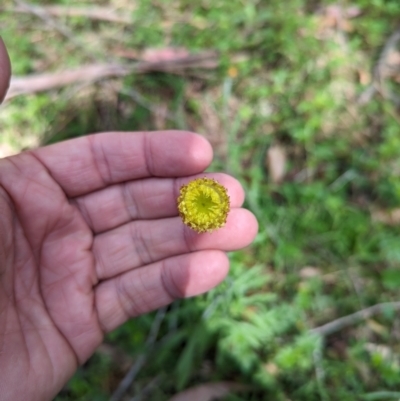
(95, 72)
(49, 81)
(205, 60)
(108, 14)
(346, 321)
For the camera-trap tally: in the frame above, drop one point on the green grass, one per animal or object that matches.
(297, 86)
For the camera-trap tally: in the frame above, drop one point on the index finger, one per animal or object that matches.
(86, 164)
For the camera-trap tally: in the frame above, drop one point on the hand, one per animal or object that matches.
(90, 237)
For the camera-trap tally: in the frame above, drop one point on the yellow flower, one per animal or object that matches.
(203, 204)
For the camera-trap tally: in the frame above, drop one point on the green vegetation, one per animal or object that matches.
(293, 80)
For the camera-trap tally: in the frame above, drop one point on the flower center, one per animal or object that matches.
(203, 204)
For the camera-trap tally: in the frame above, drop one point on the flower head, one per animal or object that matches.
(203, 204)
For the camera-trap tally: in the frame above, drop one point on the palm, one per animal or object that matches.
(91, 238)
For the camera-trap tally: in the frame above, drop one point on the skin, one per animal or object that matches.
(90, 237)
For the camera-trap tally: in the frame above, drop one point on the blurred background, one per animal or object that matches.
(300, 100)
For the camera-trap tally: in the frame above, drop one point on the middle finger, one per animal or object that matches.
(152, 198)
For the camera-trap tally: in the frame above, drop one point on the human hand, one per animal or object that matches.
(90, 237)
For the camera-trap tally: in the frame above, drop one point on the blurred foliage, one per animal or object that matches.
(291, 74)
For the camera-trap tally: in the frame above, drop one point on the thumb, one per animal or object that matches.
(5, 70)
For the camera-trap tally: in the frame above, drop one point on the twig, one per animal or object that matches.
(382, 70)
(41, 13)
(117, 355)
(320, 372)
(135, 368)
(346, 321)
(99, 13)
(367, 94)
(381, 395)
(147, 389)
(142, 101)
